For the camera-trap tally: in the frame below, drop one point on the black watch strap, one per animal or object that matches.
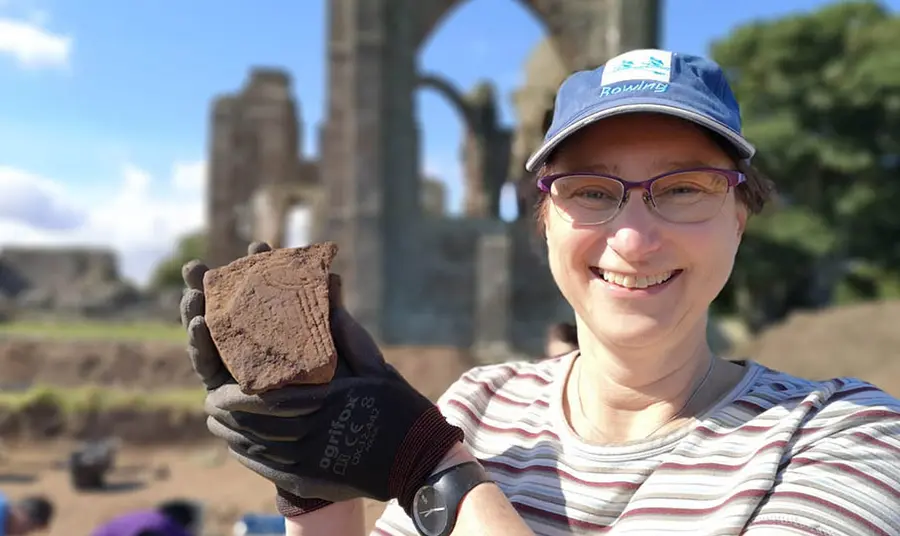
(449, 487)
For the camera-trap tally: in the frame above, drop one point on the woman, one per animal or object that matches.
(645, 191)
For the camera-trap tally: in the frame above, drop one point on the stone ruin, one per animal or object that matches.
(53, 283)
(411, 274)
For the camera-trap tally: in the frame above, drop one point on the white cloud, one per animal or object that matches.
(189, 176)
(439, 168)
(31, 45)
(34, 201)
(136, 221)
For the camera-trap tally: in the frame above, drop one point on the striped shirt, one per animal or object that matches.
(779, 454)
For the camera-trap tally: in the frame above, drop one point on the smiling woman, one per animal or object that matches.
(646, 190)
(643, 198)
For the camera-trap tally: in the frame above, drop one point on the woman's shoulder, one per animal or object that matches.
(776, 384)
(826, 407)
(835, 444)
(516, 375)
(503, 387)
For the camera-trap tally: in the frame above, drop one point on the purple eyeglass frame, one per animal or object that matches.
(734, 178)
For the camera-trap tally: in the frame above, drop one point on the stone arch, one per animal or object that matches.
(370, 147)
(551, 12)
(450, 92)
(254, 146)
(484, 148)
(533, 102)
(271, 204)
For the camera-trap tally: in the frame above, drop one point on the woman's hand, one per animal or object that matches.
(367, 433)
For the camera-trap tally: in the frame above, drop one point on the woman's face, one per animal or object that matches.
(637, 242)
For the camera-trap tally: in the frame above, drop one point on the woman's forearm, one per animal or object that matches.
(484, 510)
(345, 518)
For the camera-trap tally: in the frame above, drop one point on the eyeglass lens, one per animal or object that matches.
(686, 197)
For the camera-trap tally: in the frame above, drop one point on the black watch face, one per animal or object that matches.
(430, 512)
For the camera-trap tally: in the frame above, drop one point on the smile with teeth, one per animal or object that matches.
(635, 280)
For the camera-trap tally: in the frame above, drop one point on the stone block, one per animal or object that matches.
(494, 277)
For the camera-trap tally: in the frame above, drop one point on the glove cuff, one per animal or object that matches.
(423, 448)
(290, 505)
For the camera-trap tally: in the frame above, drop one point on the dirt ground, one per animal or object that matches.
(859, 341)
(149, 365)
(202, 472)
(197, 469)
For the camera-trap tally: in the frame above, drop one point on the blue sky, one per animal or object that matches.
(102, 118)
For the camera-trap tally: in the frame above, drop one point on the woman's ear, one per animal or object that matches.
(742, 214)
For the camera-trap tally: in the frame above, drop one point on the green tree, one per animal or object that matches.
(820, 97)
(168, 273)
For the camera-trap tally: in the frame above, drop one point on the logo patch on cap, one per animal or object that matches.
(645, 64)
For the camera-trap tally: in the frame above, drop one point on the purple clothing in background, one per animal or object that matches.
(133, 523)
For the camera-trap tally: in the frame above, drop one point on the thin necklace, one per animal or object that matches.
(684, 406)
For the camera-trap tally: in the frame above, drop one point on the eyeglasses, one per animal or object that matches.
(683, 196)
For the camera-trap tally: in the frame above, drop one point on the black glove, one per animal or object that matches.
(367, 433)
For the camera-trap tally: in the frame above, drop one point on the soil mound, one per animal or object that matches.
(164, 365)
(861, 341)
(136, 426)
(149, 367)
(121, 364)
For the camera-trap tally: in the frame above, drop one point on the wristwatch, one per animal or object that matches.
(436, 504)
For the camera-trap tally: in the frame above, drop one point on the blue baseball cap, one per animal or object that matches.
(647, 80)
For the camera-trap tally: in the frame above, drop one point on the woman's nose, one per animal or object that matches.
(634, 233)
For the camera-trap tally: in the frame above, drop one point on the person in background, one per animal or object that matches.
(176, 517)
(562, 338)
(27, 516)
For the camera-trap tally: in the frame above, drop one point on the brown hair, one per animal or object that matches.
(563, 332)
(754, 193)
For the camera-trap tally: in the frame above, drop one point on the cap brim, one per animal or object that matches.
(744, 147)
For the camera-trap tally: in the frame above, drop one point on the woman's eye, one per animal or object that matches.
(592, 194)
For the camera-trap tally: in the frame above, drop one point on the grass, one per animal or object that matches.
(80, 399)
(87, 398)
(95, 330)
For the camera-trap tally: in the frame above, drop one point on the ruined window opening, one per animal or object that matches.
(462, 24)
(297, 225)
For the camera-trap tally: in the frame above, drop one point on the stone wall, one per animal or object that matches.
(441, 312)
(535, 299)
(410, 279)
(80, 281)
(23, 269)
(255, 135)
(75, 282)
(480, 284)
